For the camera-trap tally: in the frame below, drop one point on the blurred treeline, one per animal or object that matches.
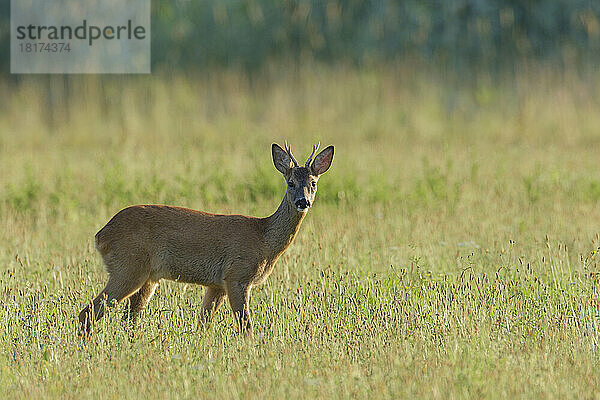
(247, 34)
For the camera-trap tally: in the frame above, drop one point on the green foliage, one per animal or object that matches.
(436, 187)
(248, 33)
(592, 190)
(23, 196)
(342, 188)
(457, 33)
(263, 185)
(533, 187)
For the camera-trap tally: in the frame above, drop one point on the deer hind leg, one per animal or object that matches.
(213, 298)
(239, 299)
(117, 288)
(139, 300)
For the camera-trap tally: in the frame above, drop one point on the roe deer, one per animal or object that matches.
(229, 254)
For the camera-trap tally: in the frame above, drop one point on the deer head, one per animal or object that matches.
(301, 180)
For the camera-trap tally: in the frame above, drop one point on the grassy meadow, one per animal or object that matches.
(451, 252)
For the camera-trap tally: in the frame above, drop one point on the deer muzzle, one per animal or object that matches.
(302, 204)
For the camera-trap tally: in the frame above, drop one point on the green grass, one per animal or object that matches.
(451, 252)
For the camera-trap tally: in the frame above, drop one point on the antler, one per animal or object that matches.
(315, 148)
(289, 151)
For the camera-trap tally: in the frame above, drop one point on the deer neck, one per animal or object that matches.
(282, 227)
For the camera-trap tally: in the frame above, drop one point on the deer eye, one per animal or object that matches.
(291, 184)
(313, 184)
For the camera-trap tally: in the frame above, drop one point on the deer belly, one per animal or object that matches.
(207, 271)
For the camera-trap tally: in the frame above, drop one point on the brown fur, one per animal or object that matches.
(229, 254)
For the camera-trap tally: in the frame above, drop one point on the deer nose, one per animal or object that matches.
(302, 203)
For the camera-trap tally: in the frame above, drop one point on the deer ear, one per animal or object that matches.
(281, 159)
(322, 161)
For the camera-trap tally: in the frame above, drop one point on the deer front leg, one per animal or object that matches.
(239, 297)
(213, 298)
